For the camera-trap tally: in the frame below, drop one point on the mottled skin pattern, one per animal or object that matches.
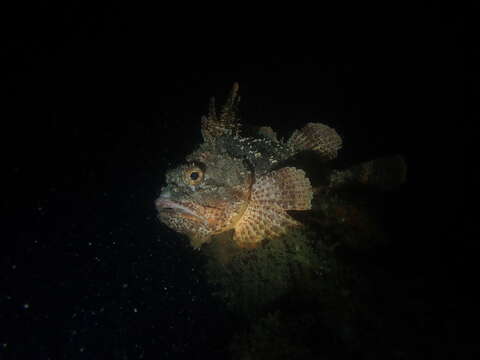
(229, 181)
(216, 200)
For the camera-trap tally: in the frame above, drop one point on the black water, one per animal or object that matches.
(100, 100)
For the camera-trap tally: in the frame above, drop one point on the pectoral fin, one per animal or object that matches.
(272, 195)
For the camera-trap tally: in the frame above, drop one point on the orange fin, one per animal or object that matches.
(272, 195)
(317, 137)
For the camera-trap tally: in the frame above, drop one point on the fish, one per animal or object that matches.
(242, 184)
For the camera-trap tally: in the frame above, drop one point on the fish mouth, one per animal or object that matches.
(171, 208)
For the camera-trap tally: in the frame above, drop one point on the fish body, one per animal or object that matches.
(237, 183)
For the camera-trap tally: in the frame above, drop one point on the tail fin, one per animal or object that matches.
(316, 137)
(384, 173)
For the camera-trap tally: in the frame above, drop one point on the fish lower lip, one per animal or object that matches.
(168, 206)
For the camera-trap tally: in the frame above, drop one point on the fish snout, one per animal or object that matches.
(164, 195)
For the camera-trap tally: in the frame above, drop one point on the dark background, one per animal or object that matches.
(99, 100)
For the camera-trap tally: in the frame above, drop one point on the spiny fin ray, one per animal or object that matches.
(227, 122)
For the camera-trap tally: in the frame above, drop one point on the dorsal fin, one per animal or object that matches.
(227, 122)
(316, 137)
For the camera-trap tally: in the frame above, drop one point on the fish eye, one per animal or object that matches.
(193, 175)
